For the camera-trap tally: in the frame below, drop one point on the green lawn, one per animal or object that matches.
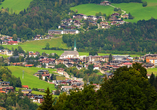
(152, 70)
(15, 5)
(92, 9)
(29, 79)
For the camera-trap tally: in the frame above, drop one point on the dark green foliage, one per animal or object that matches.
(60, 66)
(152, 79)
(110, 57)
(144, 4)
(13, 100)
(40, 76)
(53, 77)
(15, 53)
(45, 78)
(48, 101)
(47, 46)
(135, 37)
(93, 53)
(20, 50)
(90, 68)
(130, 16)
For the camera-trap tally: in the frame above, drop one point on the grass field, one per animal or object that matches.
(29, 79)
(39, 44)
(92, 9)
(152, 70)
(15, 5)
(136, 9)
(4, 56)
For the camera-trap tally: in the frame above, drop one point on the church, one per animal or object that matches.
(70, 54)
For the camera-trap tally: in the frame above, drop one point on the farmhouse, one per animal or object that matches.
(105, 3)
(12, 42)
(125, 16)
(65, 31)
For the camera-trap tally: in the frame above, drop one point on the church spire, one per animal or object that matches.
(75, 44)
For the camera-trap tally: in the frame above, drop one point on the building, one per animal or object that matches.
(65, 31)
(105, 3)
(152, 59)
(70, 54)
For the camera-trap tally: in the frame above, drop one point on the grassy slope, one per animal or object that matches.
(92, 9)
(136, 9)
(39, 44)
(15, 5)
(29, 79)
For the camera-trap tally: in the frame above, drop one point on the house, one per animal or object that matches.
(38, 99)
(5, 83)
(105, 3)
(45, 75)
(152, 59)
(96, 67)
(109, 75)
(26, 91)
(29, 65)
(41, 72)
(25, 86)
(60, 71)
(92, 18)
(113, 22)
(127, 64)
(69, 54)
(31, 54)
(61, 61)
(125, 16)
(12, 42)
(65, 31)
(37, 37)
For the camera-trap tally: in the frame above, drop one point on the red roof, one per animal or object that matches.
(25, 86)
(127, 63)
(12, 42)
(45, 74)
(29, 65)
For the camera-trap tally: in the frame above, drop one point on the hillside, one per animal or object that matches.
(15, 5)
(29, 79)
(136, 9)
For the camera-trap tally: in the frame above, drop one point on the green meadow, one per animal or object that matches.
(136, 9)
(92, 9)
(152, 70)
(15, 5)
(29, 79)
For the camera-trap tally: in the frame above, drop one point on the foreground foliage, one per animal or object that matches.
(128, 89)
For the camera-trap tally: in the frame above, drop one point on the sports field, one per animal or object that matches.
(29, 79)
(15, 5)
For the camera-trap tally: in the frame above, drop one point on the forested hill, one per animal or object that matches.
(40, 16)
(139, 37)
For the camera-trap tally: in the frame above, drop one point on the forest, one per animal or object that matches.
(137, 37)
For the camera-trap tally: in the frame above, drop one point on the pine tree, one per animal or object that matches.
(110, 57)
(48, 101)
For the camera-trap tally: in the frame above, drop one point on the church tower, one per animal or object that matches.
(75, 45)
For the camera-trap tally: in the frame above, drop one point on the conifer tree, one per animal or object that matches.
(48, 101)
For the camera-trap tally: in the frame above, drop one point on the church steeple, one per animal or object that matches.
(75, 44)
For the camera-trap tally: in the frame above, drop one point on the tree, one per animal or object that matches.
(47, 46)
(152, 79)
(48, 101)
(15, 53)
(144, 4)
(45, 78)
(133, 88)
(110, 58)
(99, 20)
(130, 16)
(40, 76)
(90, 67)
(93, 53)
